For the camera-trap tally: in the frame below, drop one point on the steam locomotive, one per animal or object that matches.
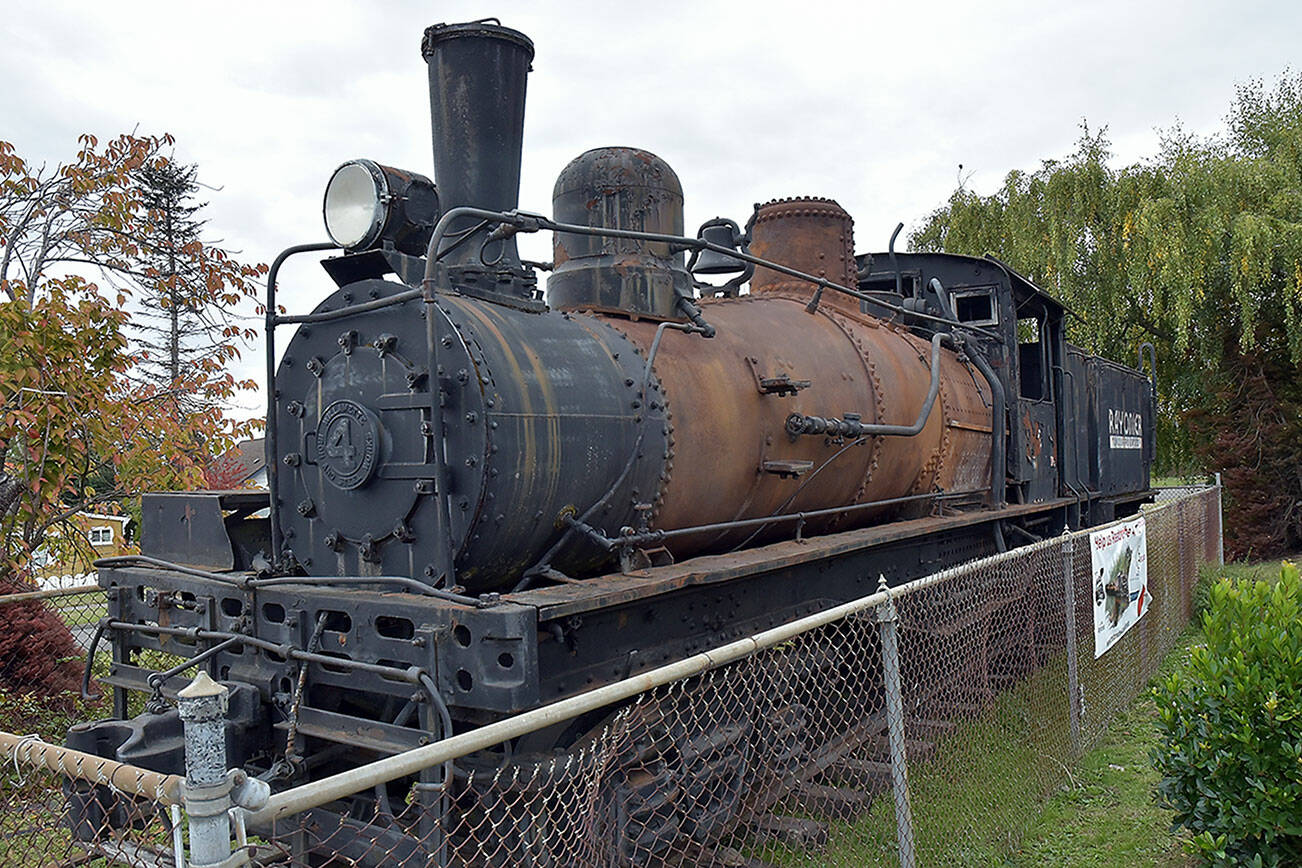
(485, 497)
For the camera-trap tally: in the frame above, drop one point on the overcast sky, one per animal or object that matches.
(873, 104)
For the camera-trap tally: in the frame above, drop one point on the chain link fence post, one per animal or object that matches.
(1073, 674)
(202, 705)
(888, 625)
(1220, 526)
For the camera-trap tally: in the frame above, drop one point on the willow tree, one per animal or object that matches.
(1198, 250)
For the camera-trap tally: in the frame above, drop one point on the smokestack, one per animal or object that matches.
(477, 73)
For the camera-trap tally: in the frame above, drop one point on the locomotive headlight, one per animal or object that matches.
(367, 205)
(355, 204)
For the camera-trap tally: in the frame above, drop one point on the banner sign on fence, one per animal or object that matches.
(1119, 559)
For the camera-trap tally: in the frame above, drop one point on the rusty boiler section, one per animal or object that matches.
(728, 398)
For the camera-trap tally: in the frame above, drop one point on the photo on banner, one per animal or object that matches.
(1119, 563)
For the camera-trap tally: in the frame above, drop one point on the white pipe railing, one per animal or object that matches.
(30, 751)
(48, 593)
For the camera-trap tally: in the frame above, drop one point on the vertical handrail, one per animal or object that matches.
(272, 433)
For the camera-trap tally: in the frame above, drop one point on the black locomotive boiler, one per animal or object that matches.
(487, 495)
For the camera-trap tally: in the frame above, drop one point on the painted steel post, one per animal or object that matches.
(888, 627)
(1220, 526)
(1073, 676)
(202, 705)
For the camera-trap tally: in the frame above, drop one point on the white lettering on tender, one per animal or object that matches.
(1125, 430)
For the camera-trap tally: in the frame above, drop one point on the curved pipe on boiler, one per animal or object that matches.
(798, 424)
(543, 566)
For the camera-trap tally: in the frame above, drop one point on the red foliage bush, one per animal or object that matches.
(1252, 432)
(37, 651)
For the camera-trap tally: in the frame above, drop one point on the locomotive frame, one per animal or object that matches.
(323, 663)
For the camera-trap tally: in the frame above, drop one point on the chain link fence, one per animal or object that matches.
(924, 726)
(62, 808)
(78, 606)
(920, 726)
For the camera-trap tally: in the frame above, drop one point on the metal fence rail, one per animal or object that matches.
(920, 726)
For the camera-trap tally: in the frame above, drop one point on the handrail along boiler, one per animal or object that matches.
(485, 497)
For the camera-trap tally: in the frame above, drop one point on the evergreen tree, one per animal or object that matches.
(182, 328)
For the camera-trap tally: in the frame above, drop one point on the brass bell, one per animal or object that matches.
(723, 233)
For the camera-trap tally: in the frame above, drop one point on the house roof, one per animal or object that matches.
(244, 461)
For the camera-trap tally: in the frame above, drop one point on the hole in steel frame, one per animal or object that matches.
(336, 621)
(273, 612)
(232, 607)
(505, 660)
(461, 633)
(464, 680)
(392, 627)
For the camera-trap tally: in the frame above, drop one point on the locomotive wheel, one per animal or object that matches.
(678, 783)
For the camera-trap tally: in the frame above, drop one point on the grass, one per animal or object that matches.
(1000, 798)
(968, 808)
(1178, 481)
(1264, 571)
(1106, 816)
(80, 609)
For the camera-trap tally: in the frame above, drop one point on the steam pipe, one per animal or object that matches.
(344, 312)
(890, 249)
(998, 447)
(409, 676)
(521, 221)
(693, 313)
(659, 536)
(247, 581)
(942, 296)
(158, 679)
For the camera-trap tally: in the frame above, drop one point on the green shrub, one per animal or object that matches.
(1230, 727)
